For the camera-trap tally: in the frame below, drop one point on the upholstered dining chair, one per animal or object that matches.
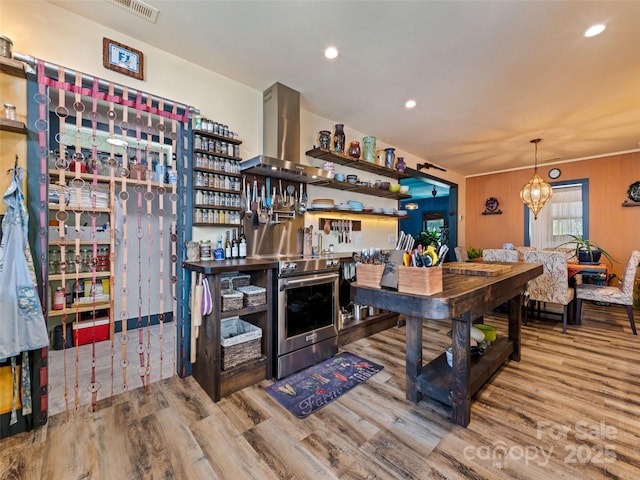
(522, 250)
(553, 285)
(622, 295)
(499, 255)
(461, 254)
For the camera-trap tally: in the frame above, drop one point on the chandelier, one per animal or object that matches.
(536, 192)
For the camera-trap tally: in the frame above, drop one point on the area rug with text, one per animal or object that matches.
(308, 390)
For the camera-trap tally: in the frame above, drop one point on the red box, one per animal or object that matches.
(85, 332)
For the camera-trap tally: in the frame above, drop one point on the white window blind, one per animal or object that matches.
(561, 217)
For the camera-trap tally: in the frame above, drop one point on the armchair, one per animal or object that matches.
(622, 295)
(553, 285)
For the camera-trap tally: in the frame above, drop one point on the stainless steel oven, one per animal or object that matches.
(307, 313)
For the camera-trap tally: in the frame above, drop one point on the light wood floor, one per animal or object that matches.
(569, 409)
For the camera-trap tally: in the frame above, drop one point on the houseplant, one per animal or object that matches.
(430, 238)
(587, 251)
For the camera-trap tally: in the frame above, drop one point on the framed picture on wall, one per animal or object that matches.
(122, 59)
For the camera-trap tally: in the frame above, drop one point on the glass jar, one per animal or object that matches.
(325, 139)
(9, 111)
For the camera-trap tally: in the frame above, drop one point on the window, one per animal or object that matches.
(566, 214)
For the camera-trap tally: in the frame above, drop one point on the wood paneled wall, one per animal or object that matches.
(615, 227)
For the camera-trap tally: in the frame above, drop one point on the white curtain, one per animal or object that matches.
(559, 218)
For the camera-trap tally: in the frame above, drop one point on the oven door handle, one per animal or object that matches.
(300, 282)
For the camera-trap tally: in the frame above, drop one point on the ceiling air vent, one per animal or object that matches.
(138, 8)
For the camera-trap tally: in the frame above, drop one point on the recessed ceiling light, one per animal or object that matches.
(594, 30)
(331, 53)
(410, 104)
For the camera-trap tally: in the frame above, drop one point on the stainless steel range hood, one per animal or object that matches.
(281, 139)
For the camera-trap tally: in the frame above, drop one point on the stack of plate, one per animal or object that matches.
(356, 206)
(343, 206)
(322, 203)
(389, 211)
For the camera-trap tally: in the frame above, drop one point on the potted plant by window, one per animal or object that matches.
(588, 251)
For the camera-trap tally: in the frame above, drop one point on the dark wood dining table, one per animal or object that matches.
(464, 299)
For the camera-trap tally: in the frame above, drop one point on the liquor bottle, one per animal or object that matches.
(242, 248)
(227, 246)
(234, 245)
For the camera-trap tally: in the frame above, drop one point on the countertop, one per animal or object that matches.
(210, 267)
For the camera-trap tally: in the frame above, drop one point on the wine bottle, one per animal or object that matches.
(234, 245)
(242, 248)
(227, 246)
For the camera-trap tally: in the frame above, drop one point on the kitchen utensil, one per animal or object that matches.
(279, 198)
(302, 204)
(267, 198)
(254, 200)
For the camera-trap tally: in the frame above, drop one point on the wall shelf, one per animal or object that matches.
(629, 204)
(350, 187)
(12, 67)
(343, 213)
(207, 133)
(347, 161)
(12, 126)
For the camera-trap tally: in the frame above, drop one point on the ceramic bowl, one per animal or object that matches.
(339, 177)
(395, 188)
(404, 189)
(384, 185)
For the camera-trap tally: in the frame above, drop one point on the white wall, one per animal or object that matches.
(46, 31)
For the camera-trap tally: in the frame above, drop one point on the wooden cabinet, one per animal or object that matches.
(208, 369)
(216, 179)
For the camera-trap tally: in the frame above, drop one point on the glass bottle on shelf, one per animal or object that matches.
(242, 247)
(234, 245)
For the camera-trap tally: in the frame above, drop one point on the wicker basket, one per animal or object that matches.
(240, 281)
(241, 342)
(369, 275)
(253, 295)
(420, 281)
(231, 300)
(234, 280)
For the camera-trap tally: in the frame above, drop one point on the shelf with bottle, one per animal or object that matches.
(351, 162)
(73, 276)
(208, 216)
(82, 242)
(214, 153)
(218, 207)
(211, 134)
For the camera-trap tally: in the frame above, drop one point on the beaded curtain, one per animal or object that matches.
(120, 154)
